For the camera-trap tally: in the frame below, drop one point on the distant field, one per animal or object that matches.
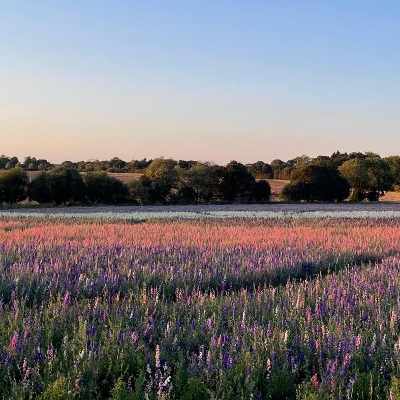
(276, 187)
(391, 196)
(123, 176)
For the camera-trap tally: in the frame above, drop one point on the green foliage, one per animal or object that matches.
(104, 189)
(60, 389)
(140, 191)
(237, 184)
(163, 176)
(281, 385)
(166, 181)
(59, 186)
(195, 390)
(197, 184)
(262, 191)
(312, 182)
(67, 185)
(121, 392)
(13, 185)
(295, 191)
(369, 177)
(278, 169)
(307, 391)
(40, 188)
(368, 386)
(395, 388)
(260, 170)
(394, 165)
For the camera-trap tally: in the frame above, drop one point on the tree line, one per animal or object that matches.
(356, 176)
(114, 165)
(164, 181)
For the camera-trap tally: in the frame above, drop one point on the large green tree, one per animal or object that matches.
(368, 177)
(237, 183)
(13, 185)
(197, 184)
(394, 164)
(260, 170)
(262, 191)
(311, 182)
(40, 189)
(105, 189)
(61, 185)
(158, 184)
(140, 191)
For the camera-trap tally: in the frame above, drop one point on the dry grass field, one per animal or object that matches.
(391, 196)
(123, 176)
(276, 187)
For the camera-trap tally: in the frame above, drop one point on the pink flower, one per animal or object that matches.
(13, 343)
(315, 380)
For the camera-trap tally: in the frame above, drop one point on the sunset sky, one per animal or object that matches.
(210, 80)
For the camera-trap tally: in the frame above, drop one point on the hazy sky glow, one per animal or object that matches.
(204, 80)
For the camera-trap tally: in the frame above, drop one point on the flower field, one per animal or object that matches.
(219, 305)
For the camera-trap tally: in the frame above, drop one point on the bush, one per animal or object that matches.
(262, 191)
(103, 188)
(13, 185)
(59, 186)
(316, 183)
(58, 390)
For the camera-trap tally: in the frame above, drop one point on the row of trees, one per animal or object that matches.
(114, 165)
(277, 169)
(365, 177)
(324, 178)
(61, 186)
(163, 182)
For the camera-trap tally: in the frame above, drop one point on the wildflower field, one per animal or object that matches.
(218, 305)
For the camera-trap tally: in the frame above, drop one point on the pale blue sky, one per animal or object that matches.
(205, 80)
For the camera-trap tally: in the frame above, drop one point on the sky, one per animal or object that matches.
(209, 80)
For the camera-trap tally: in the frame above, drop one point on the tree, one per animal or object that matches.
(140, 190)
(3, 161)
(312, 182)
(277, 167)
(103, 188)
(163, 176)
(295, 191)
(368, 177)
(380, 177)
(68, 164)
(323, 161)
(30, 163)
(260, 170)
(186, 164)
(394, 164)
(262, 191)
(40, 189)
(339, 158)
(67, 185)
(137, 165)
(43, 164)
(196, 184)
(116, 164)
(59, 186)
(13, 185)
(236, 183)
